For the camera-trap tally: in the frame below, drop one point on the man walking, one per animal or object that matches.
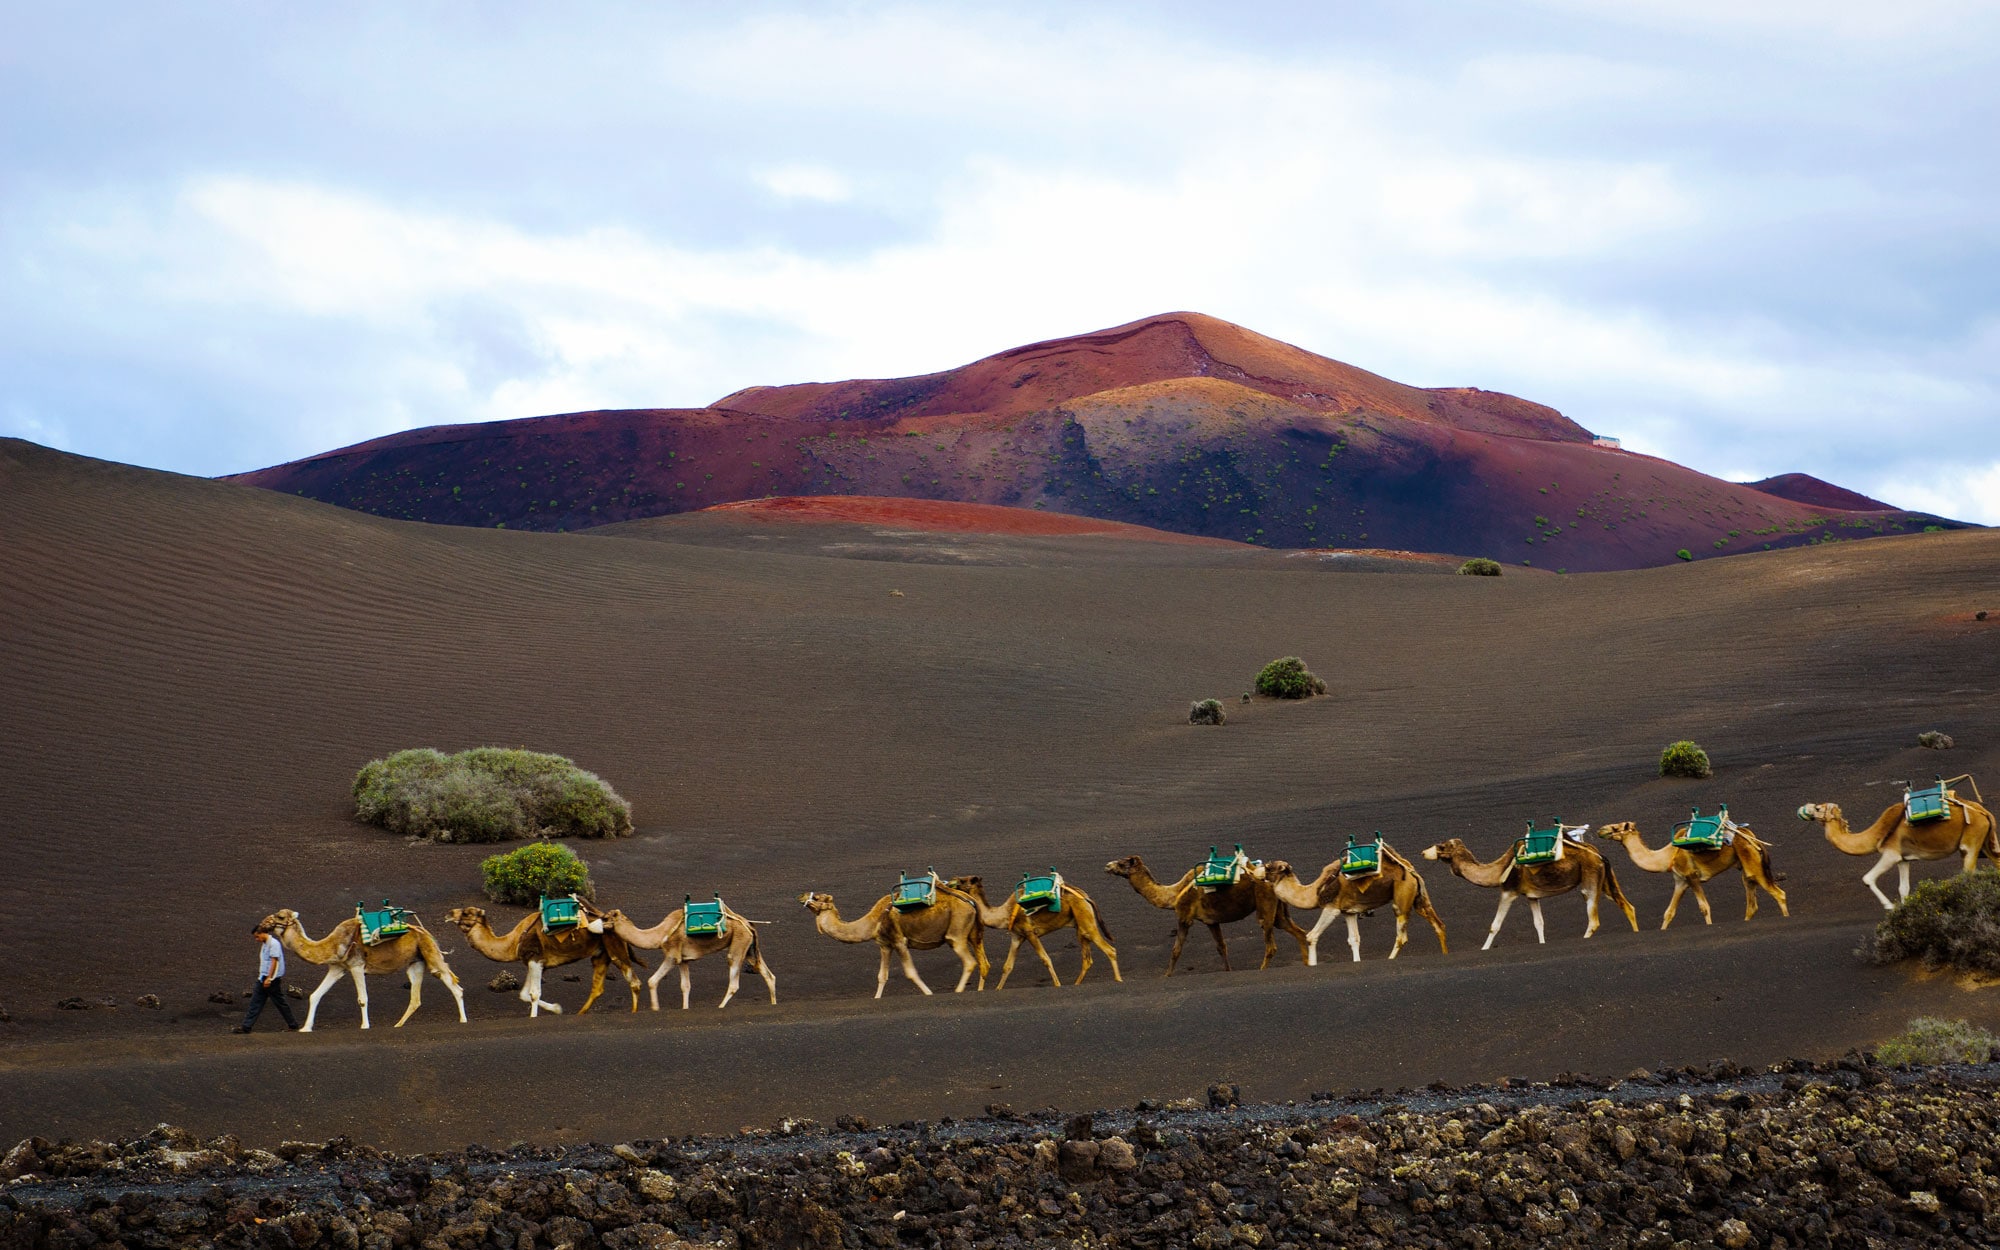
(270, 981)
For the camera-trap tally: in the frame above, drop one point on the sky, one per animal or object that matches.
(1752, 236)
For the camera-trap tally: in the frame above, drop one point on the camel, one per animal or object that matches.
(528, 943)
(670, 937)
(343, 952)
(1581, 865)
(1965, 830)
(1334, 894)
(1250, 896)
(952, 920)
(1691, 867)
(1022, 925)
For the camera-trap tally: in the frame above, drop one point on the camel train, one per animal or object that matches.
(930, 912)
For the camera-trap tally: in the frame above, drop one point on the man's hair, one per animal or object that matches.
(262, 930)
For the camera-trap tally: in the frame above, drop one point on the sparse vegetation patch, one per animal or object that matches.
(1684, 759)
(1930, 1040)
(1288, 678)
(522, 876)
(1953, 922)
(1480, 566)
(487, 794)
(1936, 740)
(1206, 712)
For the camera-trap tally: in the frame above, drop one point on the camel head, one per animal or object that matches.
(1449, 850)
(1123, 867)
(279, 921)
(965, 885)
(1819, 811)
(1617, 830)
(1276, 870)
(816, 903)
(466, 918)
(602, 921)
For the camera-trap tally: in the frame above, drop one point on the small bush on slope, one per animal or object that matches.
(1953, 922)
(523, 876)
(1206, 712)
(1480, 567)
(1684, 759)
(487, 794)
(1288, 678)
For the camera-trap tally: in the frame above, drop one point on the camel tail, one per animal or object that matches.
(1617, 893)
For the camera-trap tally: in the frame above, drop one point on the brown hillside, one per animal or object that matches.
(1806, 489)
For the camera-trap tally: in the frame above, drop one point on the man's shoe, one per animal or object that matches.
(239, 1029)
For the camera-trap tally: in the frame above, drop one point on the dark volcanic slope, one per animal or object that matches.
(1179, 422)
(1806, 489)
(195, 670)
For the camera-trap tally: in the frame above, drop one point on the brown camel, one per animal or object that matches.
(670, 937)
(1580, 865)
(529, 943)
(1692, 866)
(1334, 894)
(1965, 830)
(1022, 925)
(1250, 896)
(342, 951)
(952, 920)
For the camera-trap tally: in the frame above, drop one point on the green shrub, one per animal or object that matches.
(1480, 566)
(522, 876)
(1684, 554)
(1288, 678)
(1206, 712)
(1935, 739)
(487, 794)
(1684, 759)
(1950, 922)
(1931, 1040)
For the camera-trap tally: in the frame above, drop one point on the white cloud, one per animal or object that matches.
(1947, 487)
(807, 182)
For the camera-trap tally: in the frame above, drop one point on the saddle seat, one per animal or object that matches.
(383, 924)
(1929, 803)
(1221, 871)
(1706, 833)
(559, 914)
(704, 919)
(1363, 859)
(914, 892)
(1043, 893)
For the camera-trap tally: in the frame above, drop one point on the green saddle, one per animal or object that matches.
(560, 913)
(1706, 833)
(379, 926)
(1540, 846)
(1219, 871)
(914, 892)
(704, 919)
(1363, 858)
(1929, 803)
(1042, 893)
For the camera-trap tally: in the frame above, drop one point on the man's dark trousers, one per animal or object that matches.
(275, 991)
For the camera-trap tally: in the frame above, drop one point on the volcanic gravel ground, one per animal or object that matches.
(1844, 1154)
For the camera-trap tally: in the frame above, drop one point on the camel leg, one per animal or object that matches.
(653, 983)
(1590, 894)
(415, 971)
(1701, 901)
(1007, 964)
(1771, 888)
(1429, 913)
(1674, 903)
(333, 974)
(737, 979)
(1499, 917)
(1889, 860)
(882, 973)
(1048, 963)
(910, 969)
(687, 986)
(360, 990)
(1083, 948)
(533, 992)
(1535, 910)
(1354, 937)
(1181, 939)
(1903, 879)
(598, 967)
(1749, 895)
(770, 980)
(967, 965)
(1326, 917)
(1221, 945)
(450, 980)
(1402, 935)
(1098, 940)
